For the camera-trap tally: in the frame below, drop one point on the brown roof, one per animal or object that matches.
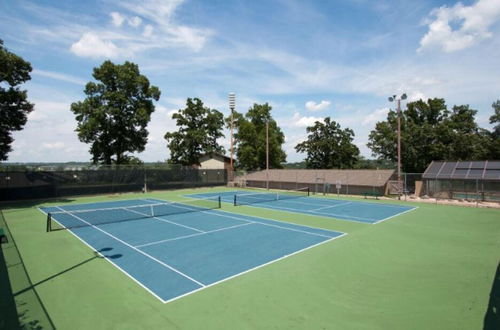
(351, 177)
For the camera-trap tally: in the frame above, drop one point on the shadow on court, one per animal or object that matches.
(492, 316)
(23, 204)
(24, 309)
(96, 255)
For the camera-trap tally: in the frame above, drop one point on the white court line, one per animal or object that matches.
(108, 260)
(193, 235)
(331, 206)
(255, 216)
(395, 215)
(146, 216)
(257, 267)
(227, 278)
(277, 226)
(352, 218)
(332, 199)
(267, 224)
(136, 249)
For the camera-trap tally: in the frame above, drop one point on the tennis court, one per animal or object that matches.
(174, 249)
(299, 201)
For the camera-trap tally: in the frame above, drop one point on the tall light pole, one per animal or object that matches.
(398, 99)
(232, 106)
(267, 154)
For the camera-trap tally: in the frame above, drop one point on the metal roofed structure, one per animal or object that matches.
(472, 180)
(472, 170)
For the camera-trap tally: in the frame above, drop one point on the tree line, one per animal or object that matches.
(118, 106)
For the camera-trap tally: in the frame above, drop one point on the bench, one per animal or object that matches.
(372, 194)
(3, 237)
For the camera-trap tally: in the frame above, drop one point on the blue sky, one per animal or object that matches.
(308, 59)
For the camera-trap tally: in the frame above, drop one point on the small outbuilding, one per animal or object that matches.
(215, 161)
(470, 180)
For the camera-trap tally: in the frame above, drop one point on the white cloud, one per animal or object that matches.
(117, 18)
(375, 116)
(59, 76)
(473, 25)
(417, 95)
(91, 45)
(148, 31)
(171, 34)
(303, 121)
(134, 21)
(54, 145)
(313, 106)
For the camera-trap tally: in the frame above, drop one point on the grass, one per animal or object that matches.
(432, 268)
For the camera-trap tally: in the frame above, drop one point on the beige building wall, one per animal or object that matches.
(212, 164)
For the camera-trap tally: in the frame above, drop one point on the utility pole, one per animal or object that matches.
(398, 99)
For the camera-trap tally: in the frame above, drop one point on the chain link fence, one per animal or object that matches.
(370, 182)
(42, 182)
(469, 190)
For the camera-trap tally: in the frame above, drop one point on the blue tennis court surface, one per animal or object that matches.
(175, 255)
(367, 212)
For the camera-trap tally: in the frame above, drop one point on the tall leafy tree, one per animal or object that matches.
(329, 146)
(495, 134)
(14, 105)
(250, 138)
(199, 129)
(429, 131)
(114, 116)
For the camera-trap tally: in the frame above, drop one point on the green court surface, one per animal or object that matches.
(433, 268)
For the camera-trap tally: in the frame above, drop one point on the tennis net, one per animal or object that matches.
(262, 197)
(93, 217)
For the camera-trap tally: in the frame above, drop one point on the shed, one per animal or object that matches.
(215, 161)
(471, 180)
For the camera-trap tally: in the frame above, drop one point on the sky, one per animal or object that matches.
(307, 59)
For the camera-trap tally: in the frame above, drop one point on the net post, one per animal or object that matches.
(308, 191)
(48, 229)
(152, 211)
(220, 204)
(234, 202)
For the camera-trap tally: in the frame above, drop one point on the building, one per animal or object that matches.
(469, 180)
(354, 182)
(215, 161)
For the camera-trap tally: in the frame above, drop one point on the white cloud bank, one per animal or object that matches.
(91, 45)
(313, 106)
(472, 25)
(122, 41)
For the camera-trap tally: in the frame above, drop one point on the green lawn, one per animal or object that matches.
(432, 268)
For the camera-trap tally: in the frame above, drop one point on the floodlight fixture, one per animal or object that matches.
(232, 101)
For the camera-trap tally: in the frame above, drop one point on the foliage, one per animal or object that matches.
(297, 165)
(250, 139)
(372, 164)
(495, 134)
(329, 146)
(199, 129)
(14, 105)
(429, 131)
(114, 116)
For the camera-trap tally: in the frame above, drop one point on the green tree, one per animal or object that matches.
(329, 146)
(495, 134)
(250, 138)
(114, 116)
(14, 105)
(199, 129)
(429, 131)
